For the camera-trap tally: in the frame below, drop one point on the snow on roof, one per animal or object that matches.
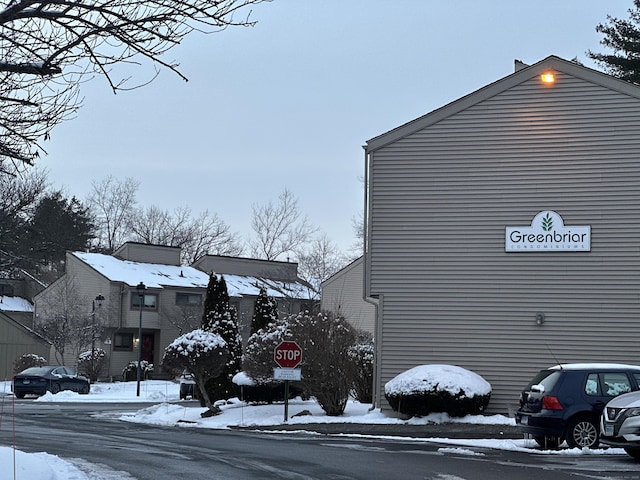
(155, 275)
(15, 304)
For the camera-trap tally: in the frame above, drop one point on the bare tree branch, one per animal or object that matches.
(112, 203)
(47, 48)
(279, 228)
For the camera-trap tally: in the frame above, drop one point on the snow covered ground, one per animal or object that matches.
(166, 411)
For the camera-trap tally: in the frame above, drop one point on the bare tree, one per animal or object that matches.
(211, 235)
(206, 233)
(318, 261)
(49, 47)
(184, 317)
(64, 318)
(153, 225)
(279, 228)
(112, 203)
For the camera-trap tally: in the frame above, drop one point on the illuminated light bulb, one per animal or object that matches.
(548, 78)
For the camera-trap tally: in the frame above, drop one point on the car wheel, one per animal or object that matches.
(548, 443)
(84, 389)
(20, 395)
(582, 432)
(55, 388)
(634, 452)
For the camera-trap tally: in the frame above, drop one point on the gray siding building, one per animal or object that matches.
(557, 162)
(172, 302)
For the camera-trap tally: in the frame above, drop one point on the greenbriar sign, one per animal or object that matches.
(547, 233)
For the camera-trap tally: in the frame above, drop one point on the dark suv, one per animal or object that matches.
(565, 402)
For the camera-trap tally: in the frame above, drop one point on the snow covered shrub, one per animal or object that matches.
(91, 368)
(130, 372)
(201, 353)
(361, 355)
(429, 389)
(27, 360)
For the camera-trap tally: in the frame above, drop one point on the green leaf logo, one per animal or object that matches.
(547, 223)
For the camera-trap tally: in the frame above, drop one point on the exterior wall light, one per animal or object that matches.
(539, 318)
(548, 78)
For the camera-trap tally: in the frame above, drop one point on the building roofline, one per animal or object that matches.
(525, 73)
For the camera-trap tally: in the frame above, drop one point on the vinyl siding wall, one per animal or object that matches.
(439, 202)
(15, 341)
(343, 294)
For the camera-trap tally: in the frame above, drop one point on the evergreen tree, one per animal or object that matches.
(265, 311)
(623, 37)
(222, 319)
(211, 301)
(59, 224)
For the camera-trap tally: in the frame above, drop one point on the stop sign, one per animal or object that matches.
(287, 354)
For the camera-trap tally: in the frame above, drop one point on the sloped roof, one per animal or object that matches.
(158, 276)
(551, 63)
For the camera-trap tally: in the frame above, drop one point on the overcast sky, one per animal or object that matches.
(290, 102)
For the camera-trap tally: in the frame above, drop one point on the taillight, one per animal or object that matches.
(551, 403)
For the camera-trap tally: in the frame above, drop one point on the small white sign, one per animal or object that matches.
(547, 233)
(287, 374)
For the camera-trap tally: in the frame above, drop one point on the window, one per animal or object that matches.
(188, 298)
(6, 289)
(607, 384)
(150, 301)
(123, 341)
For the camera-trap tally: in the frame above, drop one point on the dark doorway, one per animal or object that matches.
(147, 347)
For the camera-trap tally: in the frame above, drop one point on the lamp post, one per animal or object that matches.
(140, 288)
(97, 301)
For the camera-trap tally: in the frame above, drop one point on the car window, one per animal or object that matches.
(637, 377)
(546, 378)
(616, 384)
(592, 387)
(608, 384)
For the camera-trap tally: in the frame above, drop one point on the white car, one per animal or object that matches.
(620, 423)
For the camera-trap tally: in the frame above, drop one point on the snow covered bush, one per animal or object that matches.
(27, 360)
(327, 368)
(361, 355)
(200, 352)
(130, 372)
(91, 368)
(429, 389)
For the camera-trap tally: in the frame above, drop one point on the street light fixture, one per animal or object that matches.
(96, 302)
(140, 288)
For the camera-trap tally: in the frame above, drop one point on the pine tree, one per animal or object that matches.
(623, 37)
(222, 319)
(265, 311)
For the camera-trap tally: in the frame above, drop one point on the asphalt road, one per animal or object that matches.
(91, 434)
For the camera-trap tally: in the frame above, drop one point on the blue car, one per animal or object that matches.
(52, 378)
(564, 403)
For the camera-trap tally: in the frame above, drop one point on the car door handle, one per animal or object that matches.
(599, 404)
